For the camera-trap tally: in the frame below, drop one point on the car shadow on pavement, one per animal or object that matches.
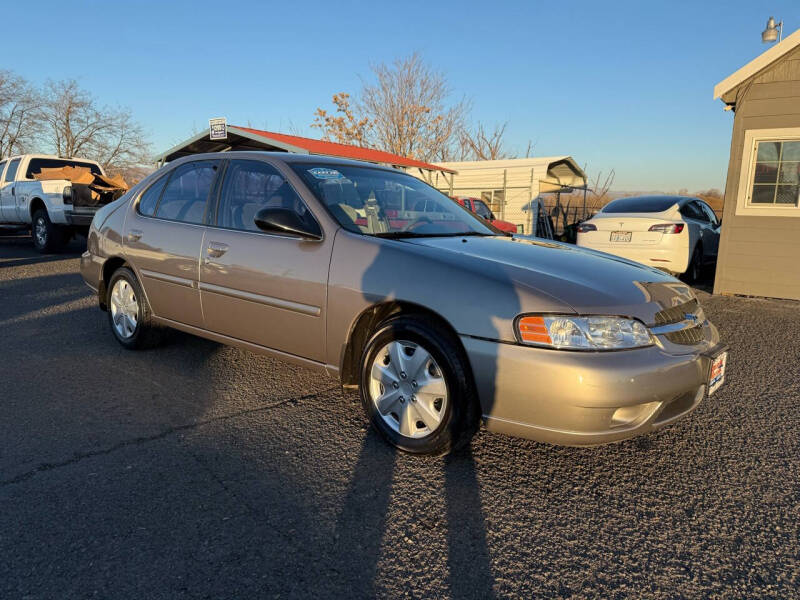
(468, 558)
(18, 251)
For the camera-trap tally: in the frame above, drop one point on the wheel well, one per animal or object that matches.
(111, 265)
(35, 205)
(366, 324)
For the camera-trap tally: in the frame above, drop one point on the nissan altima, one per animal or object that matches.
(373, 277)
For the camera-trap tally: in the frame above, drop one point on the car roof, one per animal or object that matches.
(288, 158)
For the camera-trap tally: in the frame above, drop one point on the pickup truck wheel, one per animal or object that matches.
(46, 236)
(416, 388)
(129, 314)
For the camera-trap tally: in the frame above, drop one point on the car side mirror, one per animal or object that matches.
(282, 220)
(492, 217)
(719, 224)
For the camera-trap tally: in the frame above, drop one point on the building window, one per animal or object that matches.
(769, 178)
(776, 174)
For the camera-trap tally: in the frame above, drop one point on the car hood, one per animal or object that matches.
(588, 281)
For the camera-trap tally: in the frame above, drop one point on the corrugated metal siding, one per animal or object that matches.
(760, 256)
(471, 182)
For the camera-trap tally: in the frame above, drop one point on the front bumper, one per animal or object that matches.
(585, 398)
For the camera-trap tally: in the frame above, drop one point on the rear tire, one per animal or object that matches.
(46, 236)
(129, 315)
(695, 271)
(431, 409)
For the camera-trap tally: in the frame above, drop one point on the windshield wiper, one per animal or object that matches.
(414, 234)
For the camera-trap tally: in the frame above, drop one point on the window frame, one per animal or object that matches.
(212, 217)
(744, 206)
(168, 176)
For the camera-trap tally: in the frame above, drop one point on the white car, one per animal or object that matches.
(673, 233)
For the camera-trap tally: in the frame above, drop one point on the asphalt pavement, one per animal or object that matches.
(201, 471)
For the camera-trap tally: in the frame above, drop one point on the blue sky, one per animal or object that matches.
(623, 85)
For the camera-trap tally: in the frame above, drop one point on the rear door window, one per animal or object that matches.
(690, 210)
(11, 172)
(709, 212)
(186, 195)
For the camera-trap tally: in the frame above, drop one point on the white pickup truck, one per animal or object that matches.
(54, 209)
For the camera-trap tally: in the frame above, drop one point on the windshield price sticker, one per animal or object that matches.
(323, 173)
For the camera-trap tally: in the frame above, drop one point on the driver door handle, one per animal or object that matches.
(216, 249)
(134, 235)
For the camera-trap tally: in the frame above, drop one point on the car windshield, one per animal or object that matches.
(385, 203)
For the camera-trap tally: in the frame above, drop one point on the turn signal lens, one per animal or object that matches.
(533, 329)
(583, 333)
(584, 227)
(667, 227)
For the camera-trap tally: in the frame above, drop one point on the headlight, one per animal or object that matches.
(582, 333)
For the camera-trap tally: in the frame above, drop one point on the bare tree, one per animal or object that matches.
(599, 187)
(343, 125)
(482, 144)
(123, 146)
(76, 127)
(19, 114)
(409, 110)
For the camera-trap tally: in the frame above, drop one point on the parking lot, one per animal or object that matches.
(200, 470)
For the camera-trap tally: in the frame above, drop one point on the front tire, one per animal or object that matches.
(416, 387)
(46, 236)
(129, 314)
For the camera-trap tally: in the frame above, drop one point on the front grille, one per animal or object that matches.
(686, 337)
(676, 314)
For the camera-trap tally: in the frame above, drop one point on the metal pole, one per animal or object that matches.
(584, 199)
(505, 186)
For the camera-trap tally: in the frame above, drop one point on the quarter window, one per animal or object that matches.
(11, 172)
(149, 200)
(250, 186)
(185, 196)
(776, 174)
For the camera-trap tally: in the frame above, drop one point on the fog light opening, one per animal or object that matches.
(631, 415)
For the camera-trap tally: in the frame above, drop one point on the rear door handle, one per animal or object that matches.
(216, 249)
(134, 235)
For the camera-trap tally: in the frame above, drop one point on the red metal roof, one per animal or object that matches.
(342, 150)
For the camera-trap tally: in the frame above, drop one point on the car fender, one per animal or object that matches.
(367, 271)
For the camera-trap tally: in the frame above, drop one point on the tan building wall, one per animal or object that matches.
(759, 254)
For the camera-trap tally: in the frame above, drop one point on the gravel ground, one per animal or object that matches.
(198, 470)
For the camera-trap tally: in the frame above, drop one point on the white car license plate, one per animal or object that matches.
(716, 376)
(621, 236)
